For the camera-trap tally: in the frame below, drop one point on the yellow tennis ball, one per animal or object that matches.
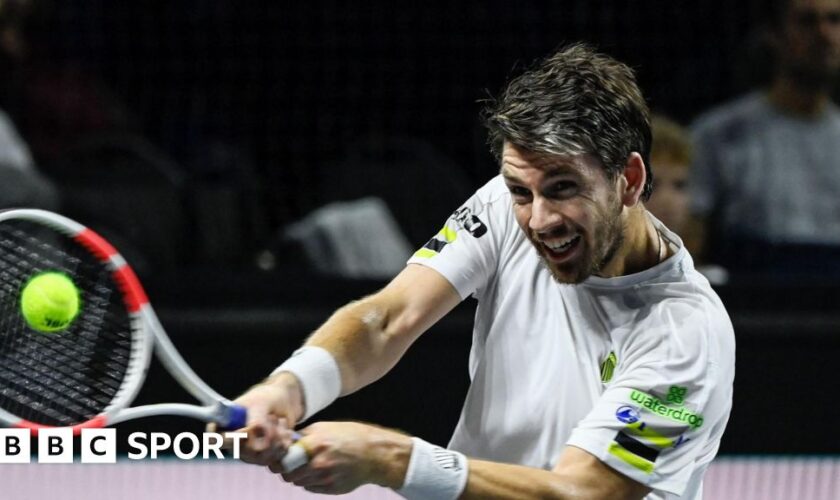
(49, 302)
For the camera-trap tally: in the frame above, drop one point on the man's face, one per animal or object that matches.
(670, 201)
(567, 208)
(810, 43)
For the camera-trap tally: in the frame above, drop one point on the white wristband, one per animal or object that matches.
(434, 473)
(319, 377)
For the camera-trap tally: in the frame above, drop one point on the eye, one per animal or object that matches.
(562, 189)
(520, 194)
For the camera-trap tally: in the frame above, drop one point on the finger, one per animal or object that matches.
(259, 429)
(327, 486)
(261, 433)
(284, 436)
(294, 455)
(319, 490)
(306, 476)
(258, 439)
(265, 457)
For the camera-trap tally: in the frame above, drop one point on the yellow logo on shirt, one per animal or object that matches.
(608, 367)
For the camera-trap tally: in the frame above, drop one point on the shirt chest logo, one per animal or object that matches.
(608, 367)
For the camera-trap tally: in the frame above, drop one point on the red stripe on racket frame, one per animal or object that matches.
(96, 244)
(95, 423)
(133, 293)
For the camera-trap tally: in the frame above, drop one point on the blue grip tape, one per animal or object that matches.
(237, 417)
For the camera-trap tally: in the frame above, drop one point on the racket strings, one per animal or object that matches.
(73, 367)
(65, 377)
(40, 398)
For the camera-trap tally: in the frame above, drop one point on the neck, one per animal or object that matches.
(794, 98)
(642, 249)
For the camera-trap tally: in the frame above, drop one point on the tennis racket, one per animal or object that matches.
(86, 375)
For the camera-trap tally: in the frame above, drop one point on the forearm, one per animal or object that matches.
(367, 337)
(366, 340)
(353, 348)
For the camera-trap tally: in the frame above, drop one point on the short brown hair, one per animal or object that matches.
(575, 101)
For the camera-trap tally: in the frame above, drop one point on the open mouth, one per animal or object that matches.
(561, 250)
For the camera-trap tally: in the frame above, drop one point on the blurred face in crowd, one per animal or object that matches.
(670, 200)
(810, 40)
(568, 209)
(13, 16)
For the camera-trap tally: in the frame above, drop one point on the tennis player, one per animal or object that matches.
(602, 362)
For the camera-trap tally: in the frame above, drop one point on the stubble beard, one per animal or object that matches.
(607, 239)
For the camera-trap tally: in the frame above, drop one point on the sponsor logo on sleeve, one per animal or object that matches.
(654, 405)
(627, 414)
(463, 218)
(638, 444)
(432, 247)
(466, 219)
(676, 394)
(634, 452)
(681, 440)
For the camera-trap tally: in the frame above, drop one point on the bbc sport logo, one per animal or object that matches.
(99, 446)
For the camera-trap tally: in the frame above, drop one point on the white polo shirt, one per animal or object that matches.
(636, 370)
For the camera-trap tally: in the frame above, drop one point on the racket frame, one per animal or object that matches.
(148, 335)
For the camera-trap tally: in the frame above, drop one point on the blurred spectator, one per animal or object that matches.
(80, 134)
(670, 156)
(21, 185)
(54, 97)
(765, 177)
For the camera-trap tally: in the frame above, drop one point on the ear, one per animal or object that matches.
(632, 180)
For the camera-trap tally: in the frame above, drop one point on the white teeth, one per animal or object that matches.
(562, 245)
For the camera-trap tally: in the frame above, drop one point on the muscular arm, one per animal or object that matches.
(577, 475)
(367, 337)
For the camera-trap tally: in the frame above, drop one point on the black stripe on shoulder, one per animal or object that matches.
(636, 447)
(435, 244)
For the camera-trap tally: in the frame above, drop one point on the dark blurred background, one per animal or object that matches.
(191, 133)
(266, 101)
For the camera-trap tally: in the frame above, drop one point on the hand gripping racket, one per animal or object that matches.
(86, 375)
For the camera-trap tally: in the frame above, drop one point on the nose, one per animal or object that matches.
(544, 216)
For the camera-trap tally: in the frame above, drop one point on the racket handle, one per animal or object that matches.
(295, 457)
(237, 417)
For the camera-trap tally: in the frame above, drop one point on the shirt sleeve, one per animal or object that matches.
(466, 250)
(662, 414)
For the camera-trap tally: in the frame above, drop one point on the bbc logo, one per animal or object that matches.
(55, 446)
(99, 446)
